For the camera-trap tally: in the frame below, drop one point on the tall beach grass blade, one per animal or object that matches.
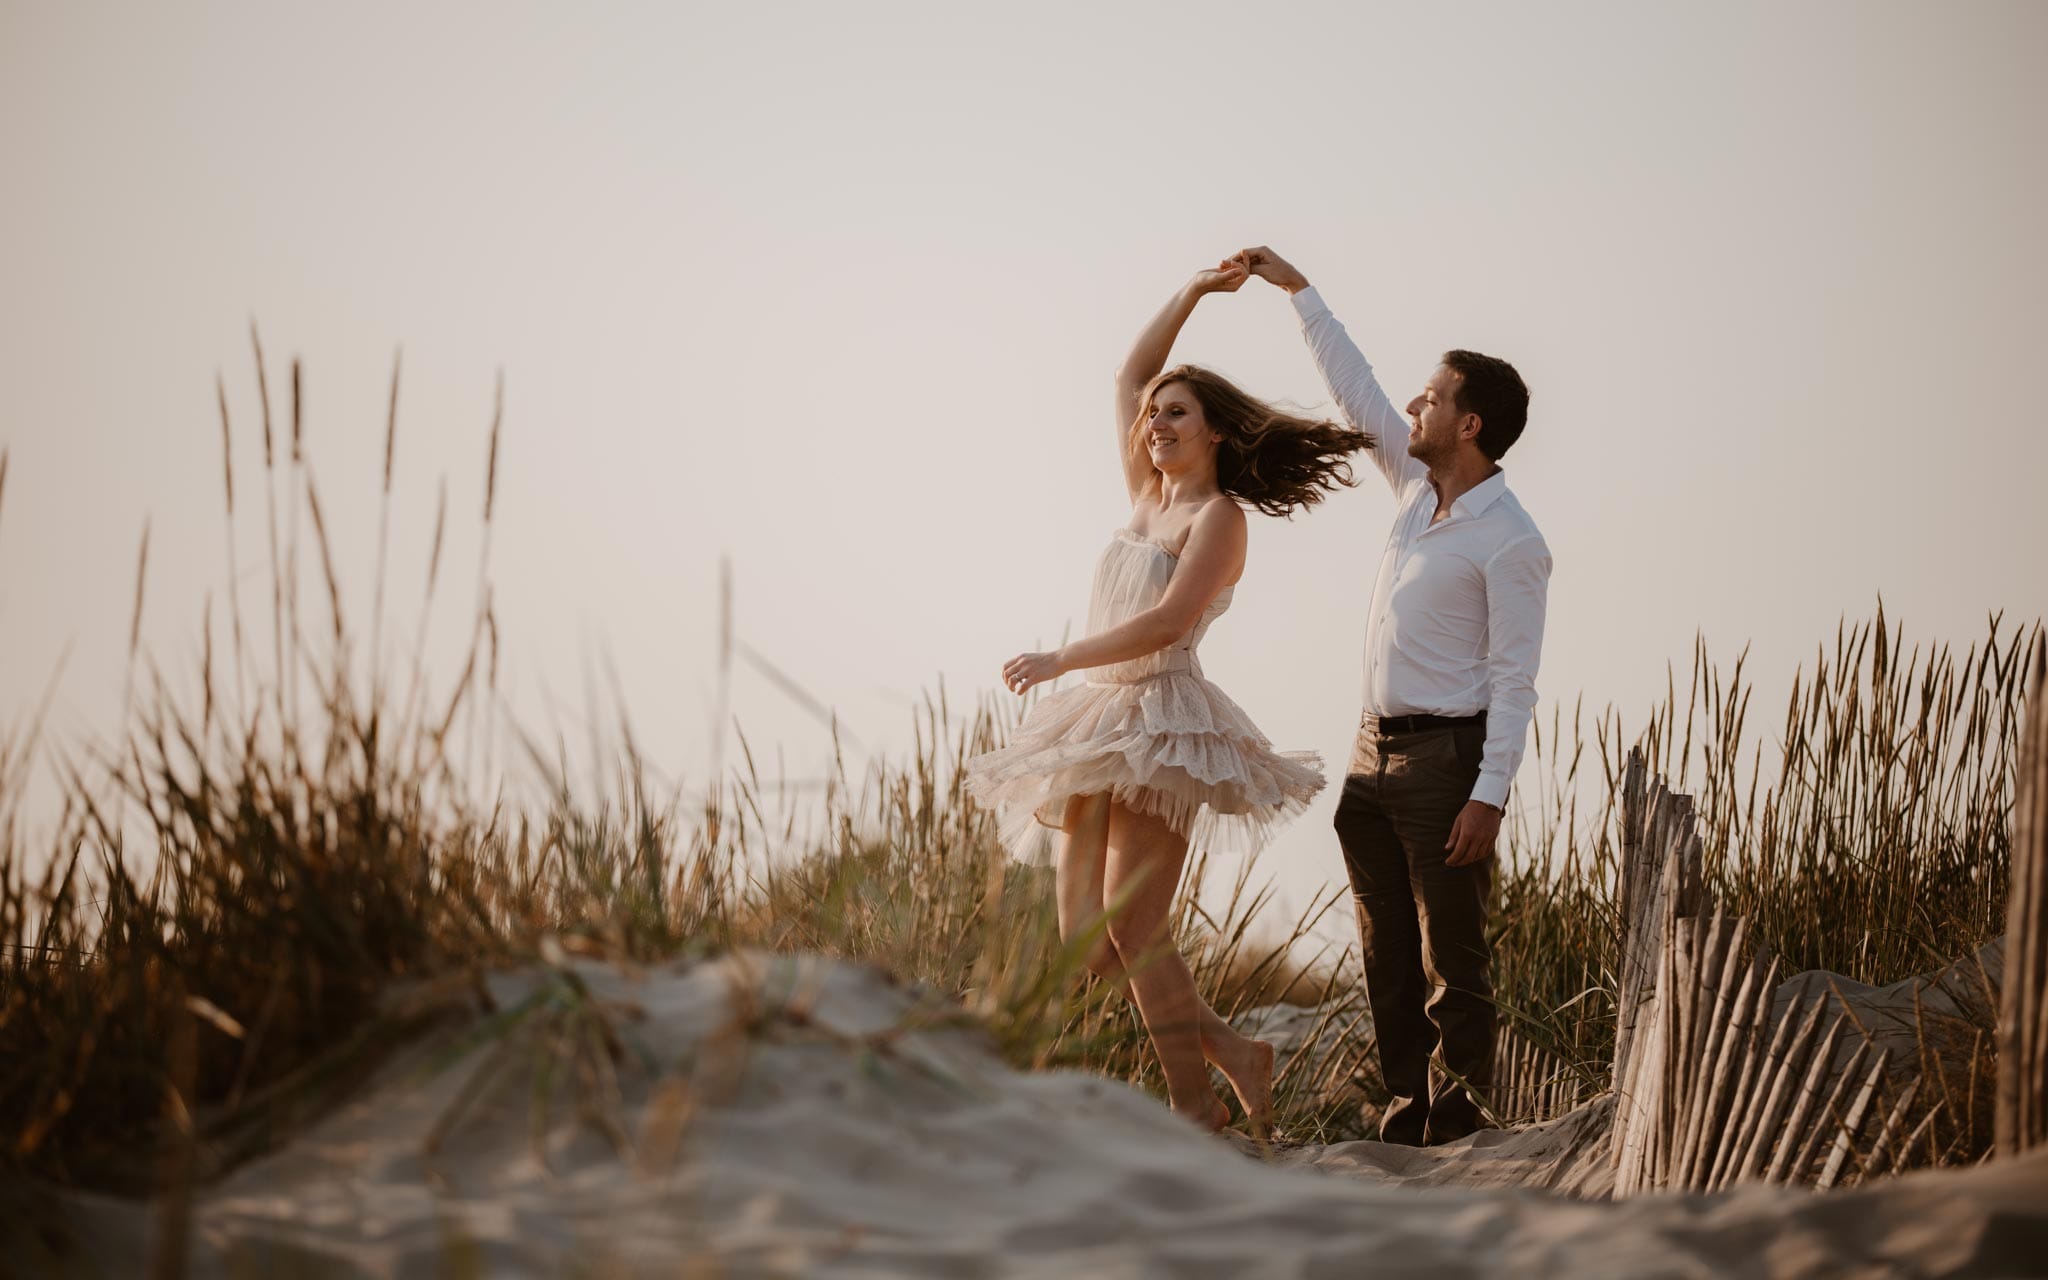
(135, 624)
(483, 561)
(376, 693)
(294, 638)
(796, 692)
(415, 689)
(721, 710)
(277, 610)
(227, 469)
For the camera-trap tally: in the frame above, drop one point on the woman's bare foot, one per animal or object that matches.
(1248, 1065)
(1212, 1116)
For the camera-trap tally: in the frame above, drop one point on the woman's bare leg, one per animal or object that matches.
(1246, 1063)
(1144, 862)
(1077, 877)
(1082, 900)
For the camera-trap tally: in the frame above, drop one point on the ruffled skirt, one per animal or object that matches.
(1171, 745)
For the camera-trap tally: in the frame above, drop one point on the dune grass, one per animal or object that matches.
(1867, 837)
(309, 867)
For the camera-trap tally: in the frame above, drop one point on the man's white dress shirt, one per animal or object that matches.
(1457, 609)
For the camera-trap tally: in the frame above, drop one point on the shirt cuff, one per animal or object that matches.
(1308, 303)
(1492, 790)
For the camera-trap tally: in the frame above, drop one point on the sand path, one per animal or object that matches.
(780, 1117)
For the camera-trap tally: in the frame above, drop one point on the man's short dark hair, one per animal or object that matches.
(1490, 387)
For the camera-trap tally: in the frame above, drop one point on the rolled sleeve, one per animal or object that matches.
(1517, 590)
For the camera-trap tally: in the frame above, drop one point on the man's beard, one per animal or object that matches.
(1419, 448)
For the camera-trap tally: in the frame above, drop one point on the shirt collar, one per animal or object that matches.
(1474, 501)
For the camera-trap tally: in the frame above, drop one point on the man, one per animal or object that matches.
(1451, 648)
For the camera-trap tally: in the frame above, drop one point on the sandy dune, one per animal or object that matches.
(1962, 995)
(802, 1117)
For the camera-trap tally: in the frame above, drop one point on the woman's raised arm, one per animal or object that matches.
(1148, 357)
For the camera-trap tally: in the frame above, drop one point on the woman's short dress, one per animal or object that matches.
(1152, 733)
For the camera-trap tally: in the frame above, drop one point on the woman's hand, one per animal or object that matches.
(1027, 669)
(1268, 265)
(1148, 357)
(1227, 276)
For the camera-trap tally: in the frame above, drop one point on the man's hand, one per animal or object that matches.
(1270, 266)
(1473, 834)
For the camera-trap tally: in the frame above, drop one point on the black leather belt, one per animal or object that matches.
(1386, 726)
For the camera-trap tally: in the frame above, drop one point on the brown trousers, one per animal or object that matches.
(1422, 925)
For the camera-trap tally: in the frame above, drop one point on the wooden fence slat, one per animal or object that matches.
(1760, 1121)
(1845, 1134)
(1879, 1159)
(2021, 1101)
(1820, 1126)
(1756, 1061)
(1731, 1020)
(1804, 1099)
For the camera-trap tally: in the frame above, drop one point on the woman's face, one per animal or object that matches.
(1177, 437)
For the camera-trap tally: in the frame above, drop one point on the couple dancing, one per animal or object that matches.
(1147, 755)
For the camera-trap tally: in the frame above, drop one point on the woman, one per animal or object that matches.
(1147, 755)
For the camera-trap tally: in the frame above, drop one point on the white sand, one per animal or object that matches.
(824, 1142)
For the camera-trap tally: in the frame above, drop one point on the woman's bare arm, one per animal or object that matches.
(1148, 356)
(1212, 559)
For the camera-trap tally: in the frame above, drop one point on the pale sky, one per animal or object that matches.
(836, 291)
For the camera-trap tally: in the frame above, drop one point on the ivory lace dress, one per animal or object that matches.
(1152, 732)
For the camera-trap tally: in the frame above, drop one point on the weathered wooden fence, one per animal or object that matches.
(2021, 1116)
(1715, 1083)
(1531, 1083)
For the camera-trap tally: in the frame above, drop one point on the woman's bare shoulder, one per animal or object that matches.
(1221, 512)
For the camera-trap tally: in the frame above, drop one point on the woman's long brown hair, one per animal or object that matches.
(1274, 460)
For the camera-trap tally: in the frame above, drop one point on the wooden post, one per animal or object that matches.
(2022, 1104)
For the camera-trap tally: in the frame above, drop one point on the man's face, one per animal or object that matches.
(1437, 421)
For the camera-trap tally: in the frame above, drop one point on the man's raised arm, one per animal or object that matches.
(1344, 368)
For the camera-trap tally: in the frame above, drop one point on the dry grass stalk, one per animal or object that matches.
(340, 662)
(278, 612)
(1531, 1082)
(483, 564)
(384, 535)
(227, 467)
(288, 675)
(135, 623)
